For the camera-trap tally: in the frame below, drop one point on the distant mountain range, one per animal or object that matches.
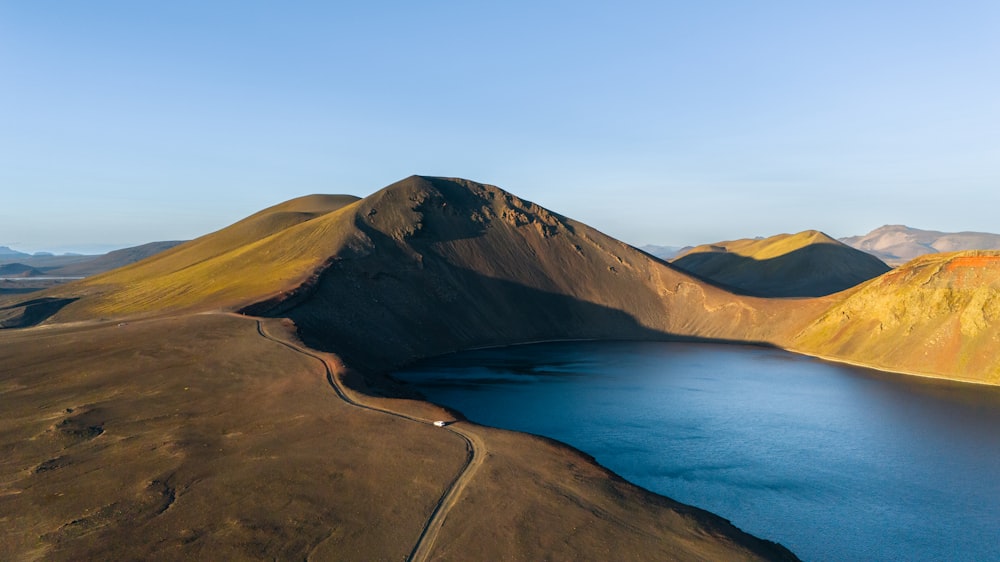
(898, 244)
(78, 265)
(666, 253)
(6, 251)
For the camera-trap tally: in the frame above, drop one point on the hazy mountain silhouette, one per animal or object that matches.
(664, 252)
(18, 270)
(7, 252)
(898, 244)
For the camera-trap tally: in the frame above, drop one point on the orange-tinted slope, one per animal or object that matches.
(938, 315)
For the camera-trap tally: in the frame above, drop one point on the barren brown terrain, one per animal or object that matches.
(897, 244)
(200, 438)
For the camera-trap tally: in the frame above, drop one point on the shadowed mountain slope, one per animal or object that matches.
(807, 264)
(937, 315)
(897, 244)
(437, 265)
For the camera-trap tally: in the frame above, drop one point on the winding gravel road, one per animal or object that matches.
(475, 446)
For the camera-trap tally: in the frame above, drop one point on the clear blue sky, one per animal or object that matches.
(124, 122)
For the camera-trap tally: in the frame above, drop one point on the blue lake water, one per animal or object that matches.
(834, 462)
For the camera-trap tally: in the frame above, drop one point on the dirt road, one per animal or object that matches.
(474, 443)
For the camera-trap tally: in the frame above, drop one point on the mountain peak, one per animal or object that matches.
(10, 252)
(808, 263)
(897, 244)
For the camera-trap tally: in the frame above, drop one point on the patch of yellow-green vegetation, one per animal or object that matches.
(255, 227)
(938, 314)
(259, 257)
(767, 248)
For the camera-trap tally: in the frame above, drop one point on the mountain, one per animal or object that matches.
(426, 266)
(898, 244)
(113, 259)
(937, 315)
(807, 264)
(45, 263)
(7, 252)
(18, 270)
(664, 252)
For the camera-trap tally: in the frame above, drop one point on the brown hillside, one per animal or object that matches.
(938, 315)
(807, 264)
(437, 265)
(426, 266)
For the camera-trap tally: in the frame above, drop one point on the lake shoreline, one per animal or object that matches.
(610, 461)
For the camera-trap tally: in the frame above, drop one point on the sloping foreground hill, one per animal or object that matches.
(197, 438)
(807, 264)
(937, 315)
(896, 244)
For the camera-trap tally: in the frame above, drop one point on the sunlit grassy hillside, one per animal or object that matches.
(939, 314)
(807, 264)
(271, 251)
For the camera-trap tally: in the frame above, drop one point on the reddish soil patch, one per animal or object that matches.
(973, 261)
